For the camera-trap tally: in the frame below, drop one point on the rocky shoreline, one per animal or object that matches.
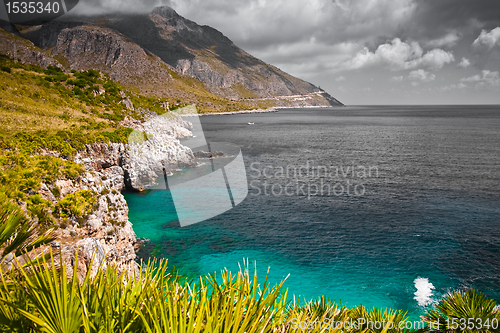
(107, 236)
(273, 109)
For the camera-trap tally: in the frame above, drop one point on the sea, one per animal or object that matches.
(384, 206)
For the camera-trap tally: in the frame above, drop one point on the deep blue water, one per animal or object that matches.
(430, 207)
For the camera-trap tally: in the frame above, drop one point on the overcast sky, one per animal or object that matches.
(364, 51)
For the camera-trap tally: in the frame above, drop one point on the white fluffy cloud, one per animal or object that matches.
(485, 79)
(398, 55)
(487, 40)
(421, 75)
(464, 63)
(448, 40)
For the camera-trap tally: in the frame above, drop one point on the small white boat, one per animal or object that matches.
(251, 123)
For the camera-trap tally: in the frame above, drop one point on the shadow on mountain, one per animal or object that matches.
(142, 31)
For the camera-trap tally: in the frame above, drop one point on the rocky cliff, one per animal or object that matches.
(24, 50)
(106, 236)
(160, 154)
(142, 161)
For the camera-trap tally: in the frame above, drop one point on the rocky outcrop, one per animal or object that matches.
(208, 154)
(161, 153)
(139, 163)
(94, 47)
(106, 236)
(45, 36)
(24, 51)
(107, 229)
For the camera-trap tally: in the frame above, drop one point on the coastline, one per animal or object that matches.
(271, 109)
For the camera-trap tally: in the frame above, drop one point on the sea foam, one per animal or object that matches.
(424, 291)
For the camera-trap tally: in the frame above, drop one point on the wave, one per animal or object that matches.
(424, 291)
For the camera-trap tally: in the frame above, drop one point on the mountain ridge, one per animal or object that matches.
(163, 53)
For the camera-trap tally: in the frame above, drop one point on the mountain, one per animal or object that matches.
(163, 53)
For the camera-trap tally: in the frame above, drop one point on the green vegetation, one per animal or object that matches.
(21, 177)
(46, 116)
(44, 299)
(17, 234)
(32, 98)
(77, 204)
(465, 311)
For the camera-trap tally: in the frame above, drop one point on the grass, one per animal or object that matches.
(243, 92)
(29, 100)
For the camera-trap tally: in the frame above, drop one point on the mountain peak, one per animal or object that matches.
(165, 11)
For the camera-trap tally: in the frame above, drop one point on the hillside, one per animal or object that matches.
(164, 54)
(65, 157)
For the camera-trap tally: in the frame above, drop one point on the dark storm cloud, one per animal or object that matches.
(98, 7)
(257, 24)
(434, 18)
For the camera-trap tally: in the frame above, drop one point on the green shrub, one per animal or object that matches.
(51, 70)
(464, 311)
(78, 83)
(17, 234)
(5, 69)
(77, 91)
(152, 300)
(41, 209)
(56, 78)
(56, 192)
(78, 204)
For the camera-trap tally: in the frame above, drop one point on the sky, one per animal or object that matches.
(361, 51)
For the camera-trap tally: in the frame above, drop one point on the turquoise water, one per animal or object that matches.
(430, 211)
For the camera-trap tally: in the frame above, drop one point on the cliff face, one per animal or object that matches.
(107, 234)
(93, 47)
(133, 166)
(24, 50)
(161, 153)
